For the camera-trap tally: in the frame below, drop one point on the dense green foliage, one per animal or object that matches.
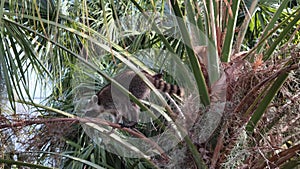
(244, 87)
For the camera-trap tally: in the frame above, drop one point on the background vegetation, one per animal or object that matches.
(58, 50)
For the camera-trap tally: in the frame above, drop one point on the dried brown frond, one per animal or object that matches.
(279, 125)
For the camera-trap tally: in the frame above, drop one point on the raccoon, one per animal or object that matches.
(109, 99)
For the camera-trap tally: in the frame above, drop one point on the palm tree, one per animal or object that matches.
(237, 61)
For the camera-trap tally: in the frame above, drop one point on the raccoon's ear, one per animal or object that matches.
(94, 99)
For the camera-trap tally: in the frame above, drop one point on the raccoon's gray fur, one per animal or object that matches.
(110, 99)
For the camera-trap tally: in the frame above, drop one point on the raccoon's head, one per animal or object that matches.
(93, 109)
